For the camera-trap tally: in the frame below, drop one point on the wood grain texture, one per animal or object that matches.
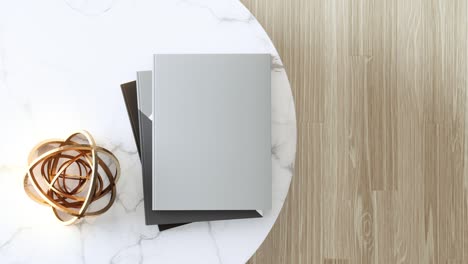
(381, 174)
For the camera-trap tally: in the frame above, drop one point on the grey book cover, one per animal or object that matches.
(212, 132)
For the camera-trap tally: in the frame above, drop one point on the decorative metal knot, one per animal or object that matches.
(73, 176)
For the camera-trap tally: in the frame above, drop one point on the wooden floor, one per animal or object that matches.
(382, 167)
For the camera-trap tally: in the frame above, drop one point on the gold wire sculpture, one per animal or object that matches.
(72, 176)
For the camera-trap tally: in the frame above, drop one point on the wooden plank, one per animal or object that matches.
(335, 261)
(337, 216)
(449, 78)
(384, 227)
(361, 24)
(382, 100)
(431, 204)
(414, 109)
(359, 161)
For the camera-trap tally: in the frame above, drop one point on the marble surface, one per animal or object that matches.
(61, 64)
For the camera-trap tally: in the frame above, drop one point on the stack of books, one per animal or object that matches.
(202, 126)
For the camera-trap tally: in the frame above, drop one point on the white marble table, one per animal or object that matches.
(61, 64)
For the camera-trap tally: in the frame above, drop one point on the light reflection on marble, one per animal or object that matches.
(61, 64)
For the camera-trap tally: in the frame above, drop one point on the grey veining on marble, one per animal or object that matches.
(249, 18)
(90, 7)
